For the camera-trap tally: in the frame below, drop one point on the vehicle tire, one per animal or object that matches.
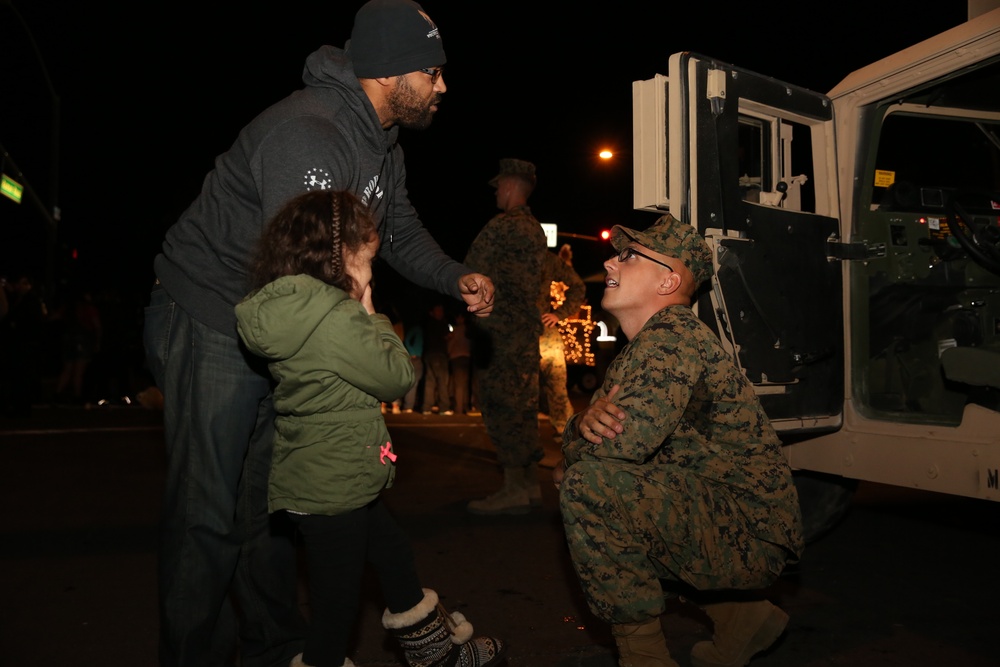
(824, 499)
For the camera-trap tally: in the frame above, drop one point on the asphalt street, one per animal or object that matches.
(909, 578)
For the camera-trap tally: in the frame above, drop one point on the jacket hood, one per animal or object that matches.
(277, 319)
(330, 67)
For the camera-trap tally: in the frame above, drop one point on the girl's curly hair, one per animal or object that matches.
(310, 235)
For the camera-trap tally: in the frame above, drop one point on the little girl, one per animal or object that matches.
(335, 360)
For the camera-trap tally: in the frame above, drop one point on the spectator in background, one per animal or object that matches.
(436, 376)
(80, 342)
(559, 299)
(20, 341)
(413, 341)
(460, 364)
(400, 329)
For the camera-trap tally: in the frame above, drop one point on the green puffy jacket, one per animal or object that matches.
(334, 364)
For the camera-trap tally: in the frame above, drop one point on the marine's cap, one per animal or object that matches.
(668, 236)
(393, 37)
(512, 167)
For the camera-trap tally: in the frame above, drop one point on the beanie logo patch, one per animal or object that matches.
(433, 32)
(317, 179)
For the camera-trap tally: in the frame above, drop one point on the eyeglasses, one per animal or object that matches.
(628, 253)
(433, 72)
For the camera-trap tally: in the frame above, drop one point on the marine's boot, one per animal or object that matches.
(642, 645)
(431, 637)
(297, 662)
(532, 484)
(512, 498)
(741, 630)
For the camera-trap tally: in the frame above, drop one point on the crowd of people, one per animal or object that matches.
(277, 369)
(78, 346)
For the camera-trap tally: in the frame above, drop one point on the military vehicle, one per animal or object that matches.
(856, 236)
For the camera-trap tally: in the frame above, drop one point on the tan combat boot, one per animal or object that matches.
(642, 645)
(742, 629)
(512, 498)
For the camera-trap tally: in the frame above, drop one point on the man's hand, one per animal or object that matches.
(601, 419)
(550, 319)
(477, 292)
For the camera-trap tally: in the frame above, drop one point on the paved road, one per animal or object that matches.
(909, 578)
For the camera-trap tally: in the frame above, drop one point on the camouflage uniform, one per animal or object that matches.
(694, 490)
(550, 343)
(511, 250)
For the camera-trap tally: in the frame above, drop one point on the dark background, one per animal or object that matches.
(149, 93)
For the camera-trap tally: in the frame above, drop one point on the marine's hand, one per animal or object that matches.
(558, 471)
(477, 292)
(601, 419)
(550, 319)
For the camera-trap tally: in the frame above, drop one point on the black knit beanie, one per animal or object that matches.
(393, 37)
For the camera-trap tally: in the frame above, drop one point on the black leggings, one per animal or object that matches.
(337, 548)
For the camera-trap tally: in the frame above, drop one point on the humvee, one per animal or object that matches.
(856, 239)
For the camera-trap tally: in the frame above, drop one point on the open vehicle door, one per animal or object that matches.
(752, 166)
(858, 280)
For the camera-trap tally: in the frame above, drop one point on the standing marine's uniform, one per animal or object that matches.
(694, 490)
(511, 249)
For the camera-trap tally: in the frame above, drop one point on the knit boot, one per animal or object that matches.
(431, 637)
(532, 485)
(297, 662)
(512, 498)
(642, 645)
(741, 630)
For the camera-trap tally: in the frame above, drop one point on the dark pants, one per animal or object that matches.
(216, 537)
(436, 382)
(336, 550)
(460, 367)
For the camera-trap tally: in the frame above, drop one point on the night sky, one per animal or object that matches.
(150, 94)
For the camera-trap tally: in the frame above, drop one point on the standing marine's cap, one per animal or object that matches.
(393, 37)
(668, 236)
(512, 167)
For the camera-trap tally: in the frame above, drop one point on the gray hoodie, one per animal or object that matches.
(323, 136)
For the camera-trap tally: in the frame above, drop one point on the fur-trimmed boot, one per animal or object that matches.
(431, 637)
(642, 645)
(297, 662)
(741, 630)
(512, 498)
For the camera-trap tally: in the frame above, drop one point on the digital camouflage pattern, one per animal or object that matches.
(554, 377)
(694, 490)
(511, 250)
(553, 371)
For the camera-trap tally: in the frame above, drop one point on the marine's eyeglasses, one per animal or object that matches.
(628, 253)
(433, 72)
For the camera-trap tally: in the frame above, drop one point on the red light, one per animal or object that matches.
(605, 234)
(74, 254)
